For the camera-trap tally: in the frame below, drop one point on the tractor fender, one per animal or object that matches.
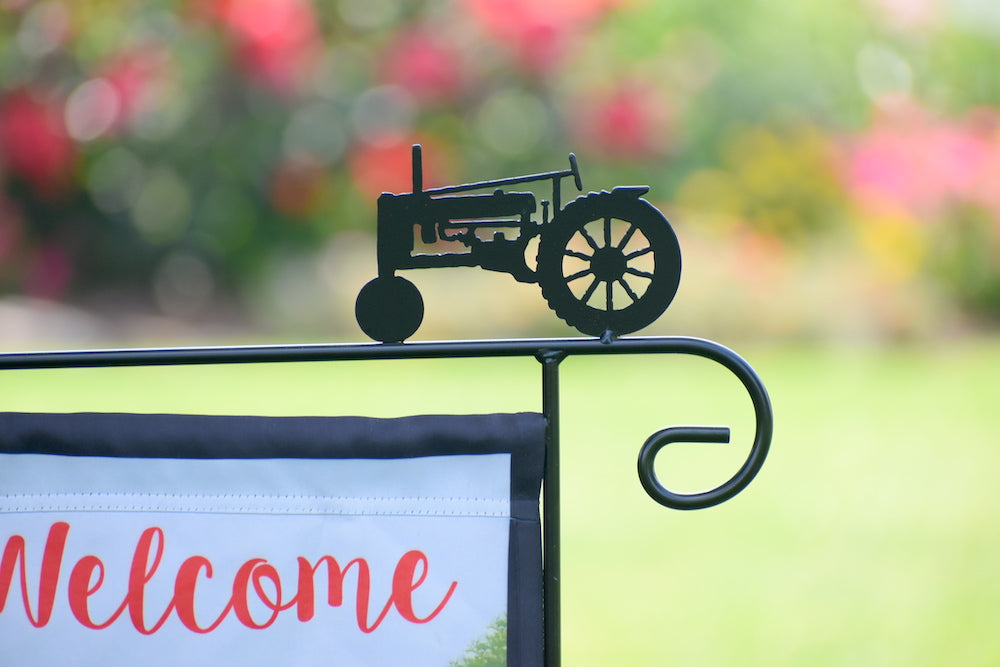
(631, 190)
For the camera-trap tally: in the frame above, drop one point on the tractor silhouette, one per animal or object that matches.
(608, 263)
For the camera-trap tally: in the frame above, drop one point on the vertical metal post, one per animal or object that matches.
(550, 505)
(417, 165)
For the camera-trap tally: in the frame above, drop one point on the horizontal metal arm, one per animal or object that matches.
(573, 171)
(465, 187)
(538, 348)
(255, 354)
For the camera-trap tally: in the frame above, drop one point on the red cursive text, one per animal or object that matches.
(257, 584)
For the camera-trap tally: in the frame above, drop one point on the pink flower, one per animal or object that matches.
(627, 122)
(920, 163)
(276, 41)
(424, 65)
(908, 14)
(133, 74)
(538, 32)
(34, 144)
(880, 166)
(985, 123)
(11, 230)
(49, 272)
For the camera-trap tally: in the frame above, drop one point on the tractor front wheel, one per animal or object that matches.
(389, 309)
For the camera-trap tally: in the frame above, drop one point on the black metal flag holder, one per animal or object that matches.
(595, 241)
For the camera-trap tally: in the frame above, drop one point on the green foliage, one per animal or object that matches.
(489, 650)
(964, 257)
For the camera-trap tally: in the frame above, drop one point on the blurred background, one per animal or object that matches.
(175, 167)
(206, 171)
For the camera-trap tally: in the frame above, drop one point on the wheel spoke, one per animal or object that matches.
(637, 272)
(590, 239)
(607, 294)
(590, 291)
(639, 253)
(607, 232)
(578, 275)
(628, 290)
(578, 255)
(628, 236)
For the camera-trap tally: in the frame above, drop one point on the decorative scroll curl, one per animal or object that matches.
(720, 434)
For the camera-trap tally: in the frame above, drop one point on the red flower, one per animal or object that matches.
(298, 186)
(387, 167)
(34, 144)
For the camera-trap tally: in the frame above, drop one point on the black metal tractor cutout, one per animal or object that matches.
(608, 263)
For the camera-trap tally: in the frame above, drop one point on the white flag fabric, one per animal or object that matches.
(198, 540)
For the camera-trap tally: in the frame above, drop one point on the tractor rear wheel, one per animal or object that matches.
(609, 263)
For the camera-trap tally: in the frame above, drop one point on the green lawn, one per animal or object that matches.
(871, 537)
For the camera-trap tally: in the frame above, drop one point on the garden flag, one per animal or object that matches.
(208, 540)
